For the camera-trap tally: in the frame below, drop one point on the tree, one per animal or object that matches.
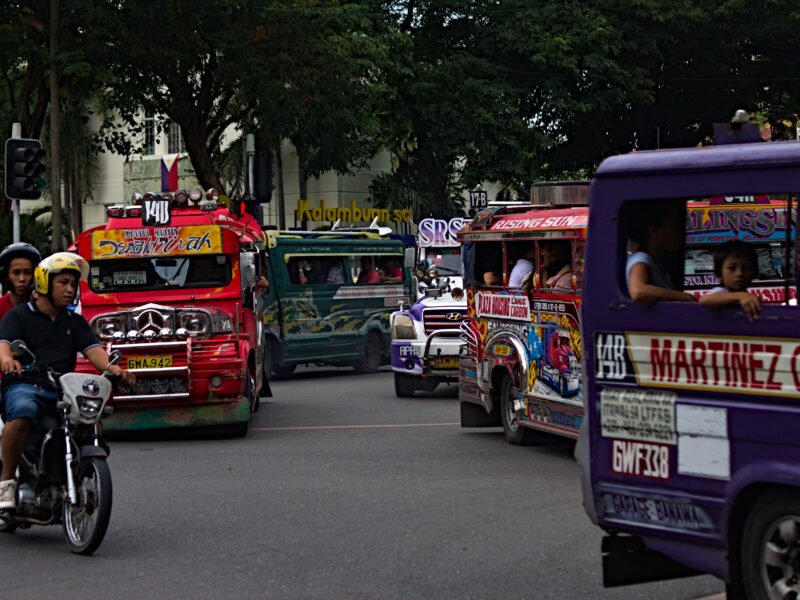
(247, 65)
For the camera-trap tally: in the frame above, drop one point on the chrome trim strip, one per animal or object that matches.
(160, 371)
(176, 396)
(149, 345)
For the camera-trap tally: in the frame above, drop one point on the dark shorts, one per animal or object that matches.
(26, 401)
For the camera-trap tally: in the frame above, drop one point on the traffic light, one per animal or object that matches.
(24, 169)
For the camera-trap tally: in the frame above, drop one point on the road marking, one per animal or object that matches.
(383, 426)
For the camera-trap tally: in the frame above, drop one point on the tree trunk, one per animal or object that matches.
(199, 156)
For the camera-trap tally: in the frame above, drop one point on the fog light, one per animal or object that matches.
(123, 389)
(165, 333)
(181, 333)
(132, 336)
(149, 336)
(142, 386)
(178, 385)
(118, 337)
(159, 385)
(215, 381)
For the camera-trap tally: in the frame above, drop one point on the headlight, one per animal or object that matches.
(105, 326)
(197, 323)
(142, 386)
(89, 407)
(403, 328)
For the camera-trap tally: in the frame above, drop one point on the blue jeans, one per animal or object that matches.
(27, 401)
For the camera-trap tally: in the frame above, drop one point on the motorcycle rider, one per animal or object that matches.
(55, 335)
(17, 262)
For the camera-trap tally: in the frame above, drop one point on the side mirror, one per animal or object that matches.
(409, 257)
(114, 357)
(19, 348)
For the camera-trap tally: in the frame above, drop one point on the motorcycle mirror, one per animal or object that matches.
(114, 357)
(18, 347)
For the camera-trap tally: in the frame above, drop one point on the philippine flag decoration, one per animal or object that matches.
(169, 173)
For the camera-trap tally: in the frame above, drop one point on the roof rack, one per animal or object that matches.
(373, 230)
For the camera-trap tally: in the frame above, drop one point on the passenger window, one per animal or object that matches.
(522, 256)
(758, 221)
(316, 270)
(682, 259)
(486, 259)
(364, 269)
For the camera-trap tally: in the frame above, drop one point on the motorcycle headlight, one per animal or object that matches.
(403, 328)
(89, 407)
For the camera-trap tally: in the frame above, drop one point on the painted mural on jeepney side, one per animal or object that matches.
(301, 316)
(758, 220)
(548, 326)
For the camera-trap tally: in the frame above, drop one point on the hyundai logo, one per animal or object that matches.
(453, 316)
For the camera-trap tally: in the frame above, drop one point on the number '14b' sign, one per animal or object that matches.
(155, 211)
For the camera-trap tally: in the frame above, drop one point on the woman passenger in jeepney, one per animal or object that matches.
(557, 264)
(656, 231)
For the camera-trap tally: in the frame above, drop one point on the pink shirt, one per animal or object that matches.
(561, 280)
(370, 276)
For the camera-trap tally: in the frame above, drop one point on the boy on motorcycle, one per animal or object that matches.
(55, 335)
(17, 262)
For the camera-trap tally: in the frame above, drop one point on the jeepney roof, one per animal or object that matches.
(735, 157)
(545, 220)
(245, 227)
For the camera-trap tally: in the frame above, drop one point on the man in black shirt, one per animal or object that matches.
(55, 335)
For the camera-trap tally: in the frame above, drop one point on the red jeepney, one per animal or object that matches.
(175, 284)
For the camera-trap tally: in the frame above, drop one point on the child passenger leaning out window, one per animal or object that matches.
(735, 265)
(657, 232)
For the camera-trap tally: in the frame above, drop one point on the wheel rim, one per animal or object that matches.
(80, 520)
(780, 559)
(511, 416)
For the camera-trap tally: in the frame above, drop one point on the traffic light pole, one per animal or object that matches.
(16, 133)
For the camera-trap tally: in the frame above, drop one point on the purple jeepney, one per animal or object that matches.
(690, 446)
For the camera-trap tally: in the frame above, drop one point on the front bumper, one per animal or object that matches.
(436, 356)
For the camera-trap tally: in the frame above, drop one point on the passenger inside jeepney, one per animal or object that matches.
(390, 270)
(656, 232)
(368, 273)
(523, 267)
(557, 264)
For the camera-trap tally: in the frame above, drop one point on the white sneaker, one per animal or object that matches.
(8, 494)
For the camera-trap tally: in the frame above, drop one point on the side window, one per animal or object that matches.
(653, 234)
(522, 263)
(390, 269)
(483, 262)
(316, 270)
(751, 228)
(557, 265)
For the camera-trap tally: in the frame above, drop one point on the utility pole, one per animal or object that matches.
(16, 133)
(55, 127)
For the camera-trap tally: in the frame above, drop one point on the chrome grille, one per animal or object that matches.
(436, 319)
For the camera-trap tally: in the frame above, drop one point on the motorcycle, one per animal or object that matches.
(63, 476)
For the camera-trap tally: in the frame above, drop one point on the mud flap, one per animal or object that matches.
(626, 560)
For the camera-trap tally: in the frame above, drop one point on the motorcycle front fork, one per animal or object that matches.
(72, 492)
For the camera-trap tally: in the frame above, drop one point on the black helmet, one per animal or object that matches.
(18, 250)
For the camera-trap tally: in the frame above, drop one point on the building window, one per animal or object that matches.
(175, 143)
(149, 146)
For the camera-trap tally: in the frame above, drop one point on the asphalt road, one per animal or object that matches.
(340, 490)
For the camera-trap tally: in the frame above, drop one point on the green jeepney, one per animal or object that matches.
(329, 298)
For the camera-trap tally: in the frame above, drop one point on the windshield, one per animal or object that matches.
(445, 259)
(160, 273)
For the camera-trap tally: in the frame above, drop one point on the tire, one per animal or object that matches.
(404, 385)
(770, 542)
(85, 524)
(372, 353)
(250, 392)
(277, 370)
(514, 432)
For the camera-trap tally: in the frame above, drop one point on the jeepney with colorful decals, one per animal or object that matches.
(522, 365)
(425, 336)
(689, 450)
(174, 284)
(330, 298)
